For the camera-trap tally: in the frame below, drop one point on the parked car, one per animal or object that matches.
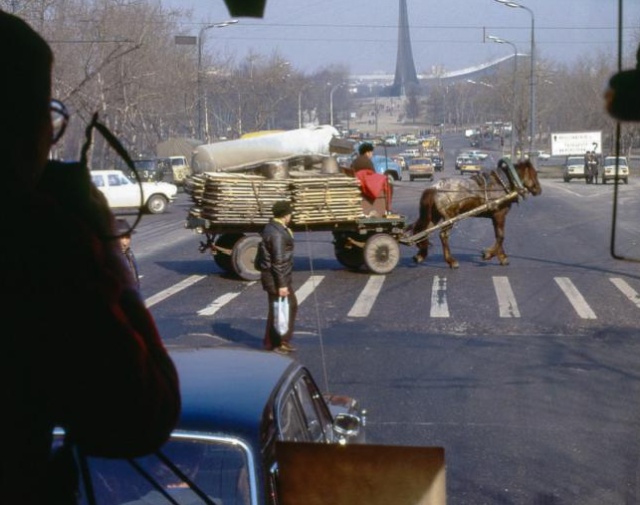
(123, 193)
(609, 169)
(388, 167)
(420, 168)
(573, 168)
(236, 404)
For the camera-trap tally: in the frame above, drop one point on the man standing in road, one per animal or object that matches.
(275, 262)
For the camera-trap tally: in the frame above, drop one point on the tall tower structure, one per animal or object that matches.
(405, 67)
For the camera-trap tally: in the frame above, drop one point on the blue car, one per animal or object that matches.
(387, 167)
(237, 404)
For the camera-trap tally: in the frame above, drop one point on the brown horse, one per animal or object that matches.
(450, 197)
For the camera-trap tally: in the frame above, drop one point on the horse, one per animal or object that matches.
(453, 196)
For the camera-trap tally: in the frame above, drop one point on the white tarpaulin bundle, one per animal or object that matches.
(236, 155)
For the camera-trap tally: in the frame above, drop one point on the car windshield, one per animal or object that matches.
(507, 333)
(219, 468)
(609, 161)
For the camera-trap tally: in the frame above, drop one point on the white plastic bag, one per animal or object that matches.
(281, 315)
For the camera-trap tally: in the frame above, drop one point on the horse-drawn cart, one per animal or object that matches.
(231, 210)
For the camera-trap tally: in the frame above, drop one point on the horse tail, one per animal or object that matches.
(426, 210)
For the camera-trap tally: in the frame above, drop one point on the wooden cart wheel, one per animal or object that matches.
(348, 255)
(243, 257)
(226, 241)
(381, 253)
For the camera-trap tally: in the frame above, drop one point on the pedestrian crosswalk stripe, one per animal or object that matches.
(439, 307)
(576, 299)
(176, 288)
(627, 290)
(218, 303)
(507, 305)
(367, 297)
(307, 288)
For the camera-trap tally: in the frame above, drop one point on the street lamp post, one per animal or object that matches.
(498, 40)
(331, 102)
(300, 109)
(199, 77)
(532, 83)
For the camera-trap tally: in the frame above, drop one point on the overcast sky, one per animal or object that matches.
(362, 34)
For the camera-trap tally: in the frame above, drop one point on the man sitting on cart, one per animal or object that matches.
(372, 183)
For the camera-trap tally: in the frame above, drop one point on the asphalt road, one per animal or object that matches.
(527, 374)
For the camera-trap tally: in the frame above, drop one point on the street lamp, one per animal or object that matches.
(532, 84)
(199, 79)
(331, 102)
(498, 40)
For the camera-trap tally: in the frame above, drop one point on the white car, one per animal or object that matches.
(573, 168)
(609, 169)
(123, 193)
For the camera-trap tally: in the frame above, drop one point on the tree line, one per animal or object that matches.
(120, 58)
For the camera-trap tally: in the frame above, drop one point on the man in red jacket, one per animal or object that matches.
(79, 348)
(372, 184)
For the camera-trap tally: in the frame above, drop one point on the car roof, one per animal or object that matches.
(227, 388)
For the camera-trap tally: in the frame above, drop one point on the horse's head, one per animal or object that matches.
(529, 176)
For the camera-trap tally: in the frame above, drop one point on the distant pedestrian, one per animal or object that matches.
(124, 233)
(275, 262)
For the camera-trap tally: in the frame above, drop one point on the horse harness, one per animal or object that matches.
(507, 177)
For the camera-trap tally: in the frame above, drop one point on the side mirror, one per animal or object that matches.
(347, 426)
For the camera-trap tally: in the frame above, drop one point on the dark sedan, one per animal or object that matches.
(237, 403)
(438, 163)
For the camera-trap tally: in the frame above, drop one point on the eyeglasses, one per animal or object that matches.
(59, 119)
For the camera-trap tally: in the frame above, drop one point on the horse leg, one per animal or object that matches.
(444, 238)
(423, 251)
(424, 221)
(498, 220)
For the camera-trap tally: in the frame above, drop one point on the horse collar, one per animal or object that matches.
(512, 173)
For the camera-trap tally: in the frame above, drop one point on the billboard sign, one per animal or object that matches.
(568, 143)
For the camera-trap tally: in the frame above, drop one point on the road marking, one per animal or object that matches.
(439, 307)
(627, 290)
(307, 288)
(575, 298)
(220, 302)
(176, 288)
(507, 305)
(367, 297)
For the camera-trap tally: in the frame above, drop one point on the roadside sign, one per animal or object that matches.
(567, 143)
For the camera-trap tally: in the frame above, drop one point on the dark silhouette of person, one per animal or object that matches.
(79, 348)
